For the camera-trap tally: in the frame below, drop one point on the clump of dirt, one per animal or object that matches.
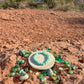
(31, 29)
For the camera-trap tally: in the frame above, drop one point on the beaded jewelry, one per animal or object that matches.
(44, 53)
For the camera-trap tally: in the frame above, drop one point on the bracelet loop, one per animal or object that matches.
(44, 53)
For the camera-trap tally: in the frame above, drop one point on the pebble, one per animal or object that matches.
(73, 67)
(50, 72)
(26, 69)
(70, 72)
(23, 76)
(11, 74)
(60, 68)
(54, 72)
(21, 61)
(22, 53)
(43, 79)
(40, 77)
(56, 81)
(65, 62)
(14, 69)
(17, 66)
(17, 73)
(37, 73)
(21, 70)
(30, 71)
(57, 61)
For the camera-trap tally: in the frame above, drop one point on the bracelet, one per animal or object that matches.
(44, 53)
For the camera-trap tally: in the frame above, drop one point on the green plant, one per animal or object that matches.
(50, 3)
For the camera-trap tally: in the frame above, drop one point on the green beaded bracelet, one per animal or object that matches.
(44, 53)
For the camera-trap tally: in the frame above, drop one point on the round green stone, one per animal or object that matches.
(12, 74)
(40, 77)
(73, 67)
(8, 75)
(68, 65)
(43, 79)
(57, 61)
(54, 72)
(22, 61)
(30, 71)
(69, 62)
(56, 81)
(37, 73)
(60, 68)
(14, 69)
(59, 55)
(17, 73)
(65, 62)
(70, 72)
(18, 69)
(17, 66)
(22, 53)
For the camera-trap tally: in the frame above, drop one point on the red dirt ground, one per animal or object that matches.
(32, 29)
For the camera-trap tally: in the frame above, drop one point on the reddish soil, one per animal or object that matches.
(31, 29)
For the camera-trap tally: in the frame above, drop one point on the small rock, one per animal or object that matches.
(73, 67)
(14, 69)
(37, 73)
(70, 72)
(60, 68)
(17, 66)
(40, 77)
(30, 71)
(54, 72)
(43, 79)
(26, 69)
(23, 76)
(50, 72)
(21, 70)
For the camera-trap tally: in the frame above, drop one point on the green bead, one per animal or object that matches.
(68, 65)
(54, 77)
(55, 55)
(18, 69)
(22, 61)
(12, 74)
(21, 70)
(8, 75)
(54, 72)
(49, 49)
(73, 67)
(69, 62)
(70, 72)
(22, 53)
(60, 68)
(30, 71)
(43, 79)
(59, 55)
(14, 69)
(40, 77)
(18, 62)
(17, 73)
(17, 66)
(57, 61)
(37, 73)
(56, 81)
(65, 62)
(45, 82)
